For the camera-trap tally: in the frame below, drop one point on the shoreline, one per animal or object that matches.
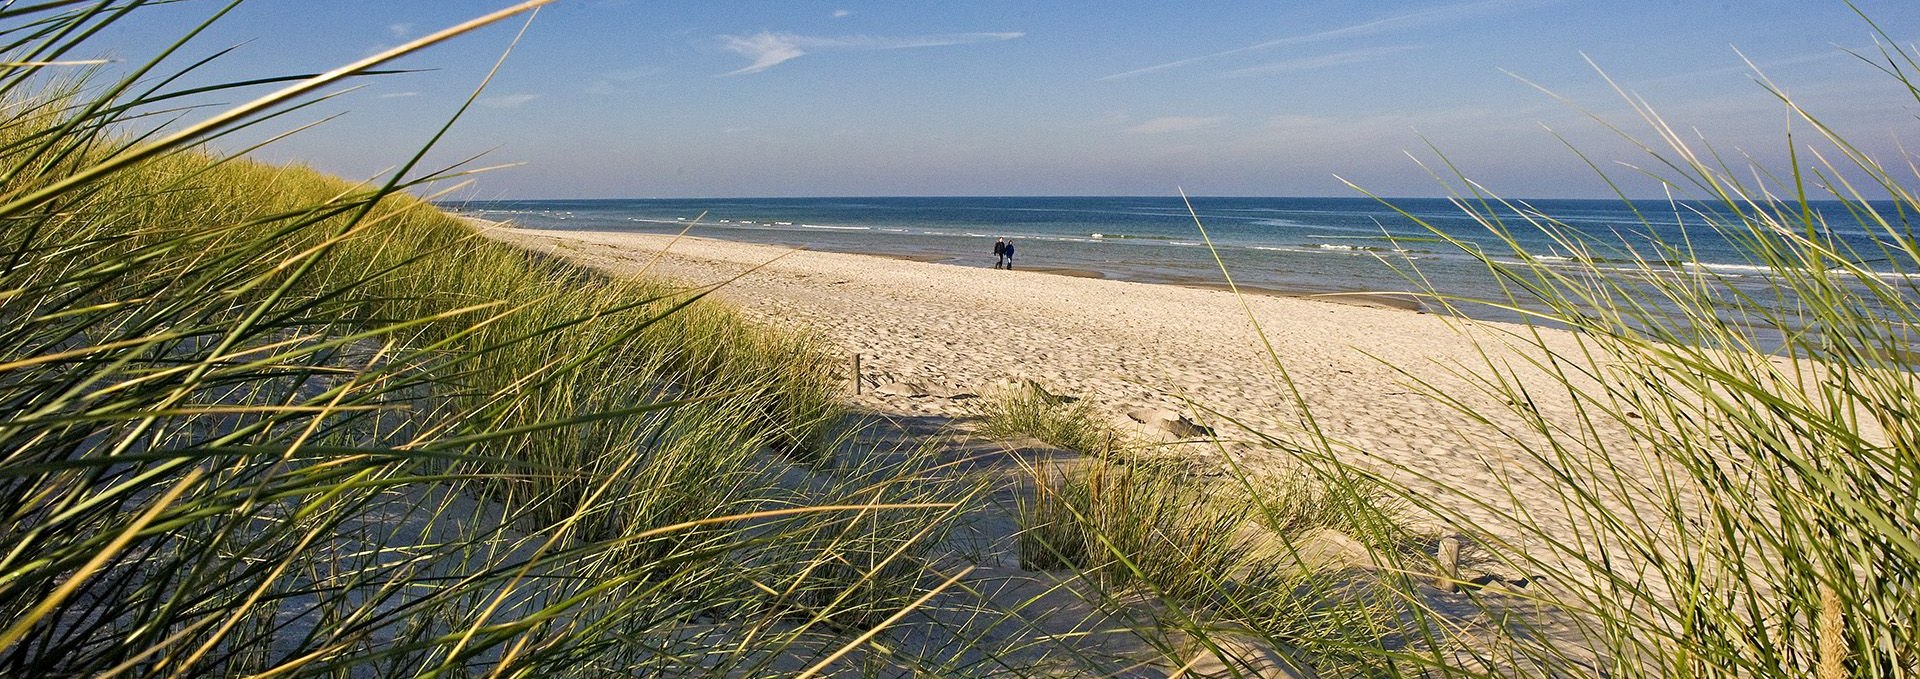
(1121, 345)
(1403, 301)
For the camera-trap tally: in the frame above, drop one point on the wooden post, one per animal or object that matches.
(856, 374)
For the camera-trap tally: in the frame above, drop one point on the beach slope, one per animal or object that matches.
(933, 331)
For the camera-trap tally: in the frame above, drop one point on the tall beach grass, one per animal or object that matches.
(1708, 502)
(260, 421)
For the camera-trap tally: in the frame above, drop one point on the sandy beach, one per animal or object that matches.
(1387, 384)
(944, 330)
(1329, 352)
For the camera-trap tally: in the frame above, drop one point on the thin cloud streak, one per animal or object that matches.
(508, 101)
(1748, 69)
(1381, 25)
(768, 50)
(1321, 61)
(1165, 124)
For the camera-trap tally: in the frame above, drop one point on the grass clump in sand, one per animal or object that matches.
(1028, 409)
(1127, 523)
(1296, 502)
(1206, 556)
(1274, 562)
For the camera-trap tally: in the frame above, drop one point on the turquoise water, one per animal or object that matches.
(1303, 245)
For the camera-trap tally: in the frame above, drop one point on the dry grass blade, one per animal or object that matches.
(100, 559)
(876, 629)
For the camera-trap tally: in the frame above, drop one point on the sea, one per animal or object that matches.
(1300, 246)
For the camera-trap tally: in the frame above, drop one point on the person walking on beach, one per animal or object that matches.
(1008, 251)
(999, 253)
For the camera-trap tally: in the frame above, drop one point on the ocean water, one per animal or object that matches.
(1292, 245)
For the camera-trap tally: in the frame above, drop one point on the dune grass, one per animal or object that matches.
(1125, 523)
(1719, 506)
(1027, 409)
(263, 421)
(1766, 501)
(1201, 558)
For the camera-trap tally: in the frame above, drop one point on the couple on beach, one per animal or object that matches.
(1003, 251)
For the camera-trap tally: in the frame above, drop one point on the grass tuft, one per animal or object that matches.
(1131, 523)
(1727, 492)
(1027, 409)
(1196, 549)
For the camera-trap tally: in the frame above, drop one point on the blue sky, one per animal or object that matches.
(630, 98)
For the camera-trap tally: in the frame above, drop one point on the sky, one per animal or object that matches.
(637, 98)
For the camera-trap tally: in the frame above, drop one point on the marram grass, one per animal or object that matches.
(1720, 503)
(262, 422)
(1027, 409)
(259, 421)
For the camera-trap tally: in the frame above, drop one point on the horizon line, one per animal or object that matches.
(1170, 196)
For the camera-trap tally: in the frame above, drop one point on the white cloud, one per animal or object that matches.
(839, 13)
(1381, 25)
(399, 31)
(767, 50)
(397, 95)
(1322, 61)
(1165, 124)
(508, 100)
(772, 49)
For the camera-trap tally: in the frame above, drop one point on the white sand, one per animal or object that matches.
(1123, 345)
